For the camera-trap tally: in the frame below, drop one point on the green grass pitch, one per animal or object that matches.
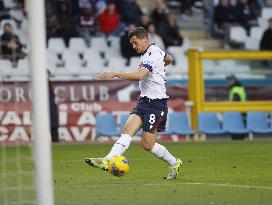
(229, 172)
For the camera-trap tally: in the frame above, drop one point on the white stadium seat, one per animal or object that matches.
(256, 32)
(252, 44)
(72, 61)
(237, 34)
(227, 63)
(17, 14)
(114, 42)
(215, 76)
(5, 69)
(56, 44)
(186, 45)
(21, 72)
(93, 59)
(226, 66)
(263, 23)
(117, 64)
(52, 60)
(176, 51)
(114, 50)
(62, 74)
(266, 13)
(94, 64)
(209, 66)
(71, 55)
(99, 43)
(173, 72)
(249, 76)
(23, 64)
(9, 4)
(90, 54)
(77, 44)
(134, 62)
(88, 73)
(180, 59)
(111, 52)
(242, 69)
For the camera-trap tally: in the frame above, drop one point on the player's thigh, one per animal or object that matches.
(133, 125)
(148, 140)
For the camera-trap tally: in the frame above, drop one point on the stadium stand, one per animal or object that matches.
(78, 60)
(194, 32)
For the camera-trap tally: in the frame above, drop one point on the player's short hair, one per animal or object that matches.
(7, 24)
(139, 32)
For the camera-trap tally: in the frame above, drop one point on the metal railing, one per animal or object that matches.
(197, 88)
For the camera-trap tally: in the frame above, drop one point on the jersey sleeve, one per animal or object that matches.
(152, 58)
(148, 61)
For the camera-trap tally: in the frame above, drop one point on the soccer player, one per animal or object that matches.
(150, 113)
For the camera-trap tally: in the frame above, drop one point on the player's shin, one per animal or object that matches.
(120, 146)
(161, 152)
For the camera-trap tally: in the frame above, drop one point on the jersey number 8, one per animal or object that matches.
(152, 118)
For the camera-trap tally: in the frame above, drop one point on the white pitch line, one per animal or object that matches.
(228, 185)
(178, 183)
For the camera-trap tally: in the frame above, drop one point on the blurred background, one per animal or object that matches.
(85, 37)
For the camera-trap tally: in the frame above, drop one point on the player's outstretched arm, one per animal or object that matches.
(134, 76)
(168, 59)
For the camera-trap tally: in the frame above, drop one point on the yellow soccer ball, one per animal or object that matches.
(118, 166)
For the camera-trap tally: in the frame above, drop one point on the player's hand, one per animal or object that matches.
(167, 60)
(106, 75)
